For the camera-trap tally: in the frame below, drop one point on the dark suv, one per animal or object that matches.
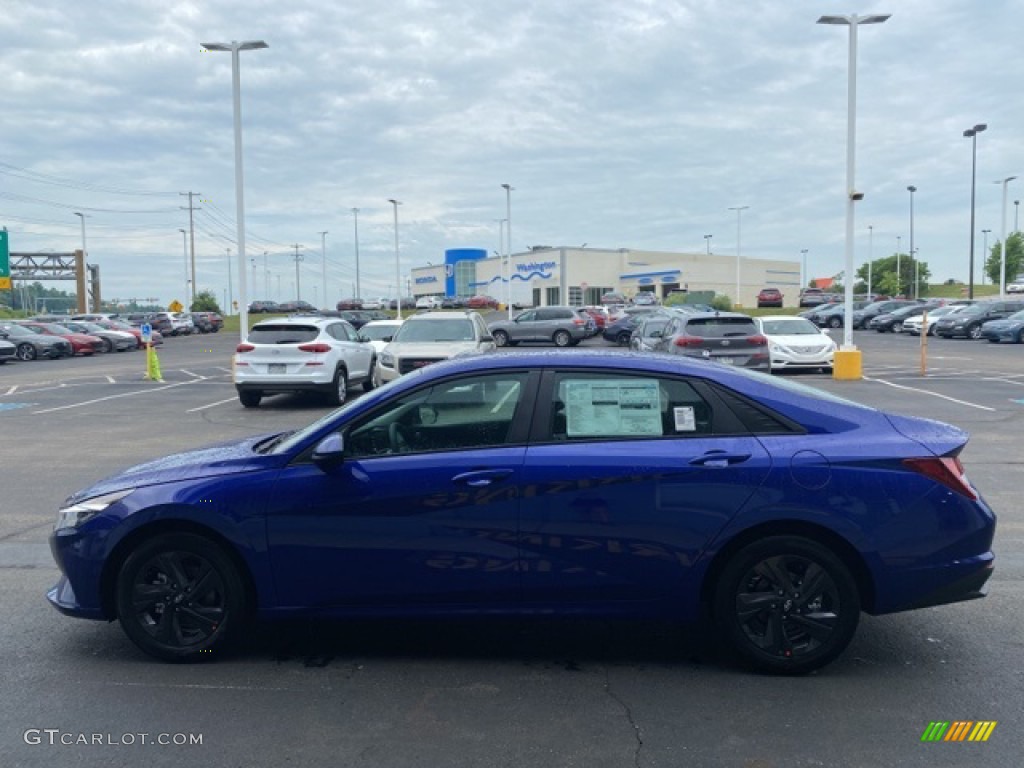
(968, 321)
(722, 337)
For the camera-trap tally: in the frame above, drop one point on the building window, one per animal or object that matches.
(553, 298)
(575, 296)
(465, 276)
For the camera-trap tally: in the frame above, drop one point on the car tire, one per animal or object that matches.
(339, 387)
(623, 339)
(370, 382)
(180, 597)
(992, 341)
(26, 352)
(974, 332)
(766, 620)
(108, 346)
(1020, 337)
(835, 322)
(500, 338)
(561, 338)
(250, 398)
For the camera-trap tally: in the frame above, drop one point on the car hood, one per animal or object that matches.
(221, 459)
(431, 348)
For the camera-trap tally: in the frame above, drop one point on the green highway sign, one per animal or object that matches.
(5, 262)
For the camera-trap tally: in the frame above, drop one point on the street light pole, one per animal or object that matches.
(398, 263)
(355, 222)
(803, 270)
(231, 292)
(85, 263)
(508, 229)
(984, 247)
(739, 209)
(972, 134)
(1016, 210)
(266, 277)
(852, 370)
(298, 280)
(235, 48)
(1002, 245)
(707, 242)
(323, 256)
(912, 189)
(184, 245)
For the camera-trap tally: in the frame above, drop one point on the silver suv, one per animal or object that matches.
(564, 326)
(302, 354)
(430, 338)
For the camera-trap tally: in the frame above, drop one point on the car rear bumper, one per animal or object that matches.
(970, 586)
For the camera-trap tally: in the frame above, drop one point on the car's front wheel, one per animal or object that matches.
(786, 604)
(561, 338)
(371, 380)
(500, 338)
(974, 332)
(623, 339)
(26, 352)
(179, 597)
(339, 388)
(108, 345)
(835, 322)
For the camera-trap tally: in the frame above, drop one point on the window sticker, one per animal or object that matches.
(685, 421)
(616, 407)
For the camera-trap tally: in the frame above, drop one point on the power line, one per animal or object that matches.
(44, 178)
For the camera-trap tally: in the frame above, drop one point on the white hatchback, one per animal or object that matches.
(796, 342)
(302, 354)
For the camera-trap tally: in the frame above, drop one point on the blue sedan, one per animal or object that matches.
(1007, 329)
(595, 484)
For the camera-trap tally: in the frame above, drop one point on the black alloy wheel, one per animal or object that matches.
(787, 604)
(179, 596)
(623, 338)
(500, 338)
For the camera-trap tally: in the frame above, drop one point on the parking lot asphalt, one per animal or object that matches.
(508, 694)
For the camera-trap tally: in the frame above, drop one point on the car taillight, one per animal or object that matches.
(757, 340)
(946, 470)
(578, 321)
(317, 347)
(244, 347)
(688, 341)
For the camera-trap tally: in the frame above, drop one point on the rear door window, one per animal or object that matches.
(283, 333)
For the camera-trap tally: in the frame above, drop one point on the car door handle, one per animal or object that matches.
(481, 477)
(719, 459)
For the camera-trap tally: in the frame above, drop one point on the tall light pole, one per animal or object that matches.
(912, 189)
(235, 47)
(850, 368)
(803, 269)
(1002, 245)
(707, 242)
(1016, 210)
(298, 280)
(253, 262)
(899, 249)
(184, 245)
(984, 250)
(871, 257)
(355, 222)
(739, 209)
(266, 277)
(508, 242)
(398, 264)
(501, 237)
(84, 261)
(323, 257)
(972, 134)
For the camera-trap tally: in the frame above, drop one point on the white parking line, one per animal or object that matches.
(211, 405)
(111, 379)
(12, 390)
(113, 397)
(195, 375)
(927, 392)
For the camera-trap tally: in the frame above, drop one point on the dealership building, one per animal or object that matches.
(546, 276)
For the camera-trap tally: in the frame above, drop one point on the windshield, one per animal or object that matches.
(456, 329)
(282, 333)
(790, 327)
(717, 327)
(378, 332)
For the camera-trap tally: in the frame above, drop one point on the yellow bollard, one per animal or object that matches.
(153, 365)
(847, 365)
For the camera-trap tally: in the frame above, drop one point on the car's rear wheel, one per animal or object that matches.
(561, 338)
(835, 322)
(108, 345)
(26, 352)
(974, 332)
(623, 339)
(179, 597)
(370, 382)
(250, 398)
(786, 604)
(500, 338)
(1020, 336)
(339, 387)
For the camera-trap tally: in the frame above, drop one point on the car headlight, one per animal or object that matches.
(387, 360)
(76, 514)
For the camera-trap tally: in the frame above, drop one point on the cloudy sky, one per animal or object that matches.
(619, 123)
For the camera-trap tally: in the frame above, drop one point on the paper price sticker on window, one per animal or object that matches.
(616, 407)
(685, 422)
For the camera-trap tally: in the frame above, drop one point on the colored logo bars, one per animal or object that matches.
(958, 730)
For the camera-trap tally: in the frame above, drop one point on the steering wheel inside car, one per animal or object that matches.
(398, 438)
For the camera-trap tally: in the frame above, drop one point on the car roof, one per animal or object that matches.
(298, 320)
(442, 315)
(378, 323)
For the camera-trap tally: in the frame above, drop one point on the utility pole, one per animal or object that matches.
(192, 237)
(323, 256)
(266, 277)
(298, 285)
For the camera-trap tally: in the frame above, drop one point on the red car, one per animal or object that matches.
(482, 302)
(600, 315)
(349, 304)
(81, 343)
(769, 297)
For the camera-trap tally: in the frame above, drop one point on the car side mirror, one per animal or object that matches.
(655, 334)
(487, 338)
(329, 453)
(388, 339)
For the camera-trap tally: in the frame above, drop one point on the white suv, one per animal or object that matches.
(302, 354)
(429, 338)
